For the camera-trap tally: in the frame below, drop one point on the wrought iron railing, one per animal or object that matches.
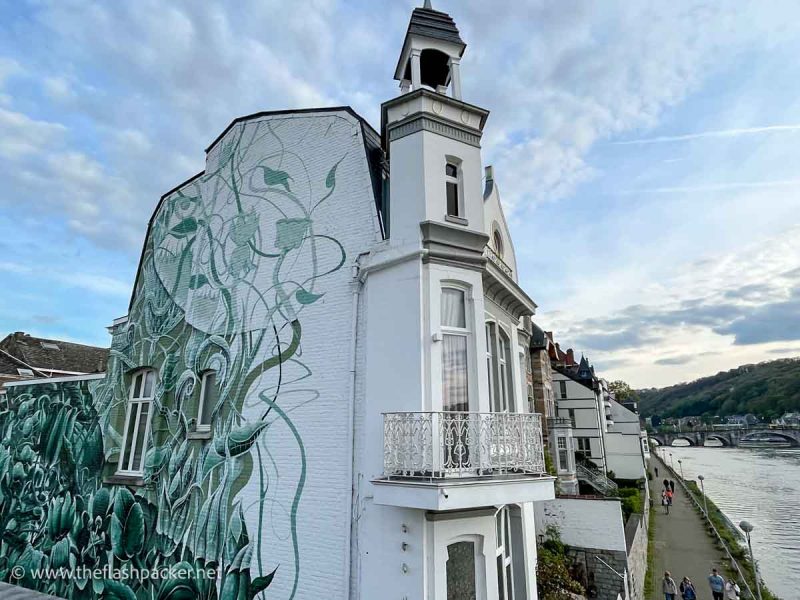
(560, 422)
(493, 256)
(597, 480)
(461, 444)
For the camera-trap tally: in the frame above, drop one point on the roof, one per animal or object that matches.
(14, 592)
(434, 24)
(53, 355)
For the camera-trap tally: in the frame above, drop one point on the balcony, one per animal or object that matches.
(448, 460)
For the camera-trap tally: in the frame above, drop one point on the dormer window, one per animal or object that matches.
(452, 177)
(497, 240)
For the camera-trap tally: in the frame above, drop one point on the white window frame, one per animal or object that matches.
(465, 332)
(458, 181)
(137, 404)
(504, 556)
(200, 426)
(564, 465)
(498, 243)
(500, 369)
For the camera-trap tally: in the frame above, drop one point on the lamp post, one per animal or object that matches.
(671, 464)
(703, 489)
(747, 528)
(680, 463)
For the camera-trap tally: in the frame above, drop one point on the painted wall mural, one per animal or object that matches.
(232, 263)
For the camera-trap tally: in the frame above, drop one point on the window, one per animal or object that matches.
(460, 571)
(562, 385)
(563, 455)
(25, 372)
(209, 394)
(497, 240)
(455, 358)
(137, 422)
(501, 379)
(571, 413)
(584, 446)
(505, 563)
(452, 182)
(49, 346)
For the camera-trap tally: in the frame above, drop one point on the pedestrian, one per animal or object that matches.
(669, 497)
(665, 502)
(717, 584)
(656, 468)
(672, 486)
(668, 586)
(732, 590)
(666, 483)
(687, 589)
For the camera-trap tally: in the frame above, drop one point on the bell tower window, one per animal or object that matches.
(452, 177)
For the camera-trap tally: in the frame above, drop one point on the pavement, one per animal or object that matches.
(682, 545)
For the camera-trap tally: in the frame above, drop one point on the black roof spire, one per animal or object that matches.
(434, 24)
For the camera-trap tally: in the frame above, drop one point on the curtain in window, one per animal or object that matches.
(453, 311)
(454, 373)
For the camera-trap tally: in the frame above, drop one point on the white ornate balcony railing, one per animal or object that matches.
(493, 256)
(461, 444)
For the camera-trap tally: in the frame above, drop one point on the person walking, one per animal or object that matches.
(671, 486)
(732, 590)
(717, 585)
(687, 589)
(665, 502)
(666, 483)
(656, 468)
(668, 586)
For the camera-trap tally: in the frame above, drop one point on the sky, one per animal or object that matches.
(646, 153)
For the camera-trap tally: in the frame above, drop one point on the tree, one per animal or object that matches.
(623, 392)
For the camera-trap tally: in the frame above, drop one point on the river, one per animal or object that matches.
(758, 485)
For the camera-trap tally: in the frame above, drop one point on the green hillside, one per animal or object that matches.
(767, 389)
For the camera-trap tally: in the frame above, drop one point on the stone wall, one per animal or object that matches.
(636, 538)
(598, 579)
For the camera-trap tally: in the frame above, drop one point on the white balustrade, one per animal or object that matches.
(462, 444)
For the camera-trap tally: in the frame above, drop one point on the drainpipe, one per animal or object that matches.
(352, 552)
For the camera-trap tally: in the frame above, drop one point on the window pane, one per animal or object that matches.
(126, 451)
(453, 312)
(451, 170)
(148, 384)
(460, 569)
(138, 450)
(137, 385)
(452, 199)
(501, 587)
(454, 373)
(210, 397)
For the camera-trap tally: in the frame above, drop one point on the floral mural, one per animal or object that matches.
(231, 262)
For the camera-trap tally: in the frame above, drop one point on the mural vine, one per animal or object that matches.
(230, 263)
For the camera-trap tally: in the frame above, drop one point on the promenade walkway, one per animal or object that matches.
(682, 545)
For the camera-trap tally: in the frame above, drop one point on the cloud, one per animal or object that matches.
(21, 135)
(715, 187)
(775, 322)
(722, 133)
(675, 360)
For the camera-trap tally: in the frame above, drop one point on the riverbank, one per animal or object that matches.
(726, 539)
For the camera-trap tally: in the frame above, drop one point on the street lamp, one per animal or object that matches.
(703, 489)
(747, 528)
(680, 463)
(671, 464)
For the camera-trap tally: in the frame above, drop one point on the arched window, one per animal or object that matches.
(455, 355)
(497, 240)
(209, 394)
(137, 422)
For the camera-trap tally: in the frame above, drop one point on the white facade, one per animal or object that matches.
(582, 405)
(624, 450)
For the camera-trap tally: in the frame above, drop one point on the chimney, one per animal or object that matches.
(570, 357)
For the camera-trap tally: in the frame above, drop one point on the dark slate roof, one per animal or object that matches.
(537, 337)
(55, 355)
(9, 365)
(434, 24)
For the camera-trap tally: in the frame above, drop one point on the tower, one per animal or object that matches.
(431, 135)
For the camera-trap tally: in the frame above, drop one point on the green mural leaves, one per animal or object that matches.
(240, 439)
(290, 233)
(305, 297)
(275, 177)
(185, 228)
(197, 281)
(127, 525)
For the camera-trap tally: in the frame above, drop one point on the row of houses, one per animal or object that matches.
(330, 383)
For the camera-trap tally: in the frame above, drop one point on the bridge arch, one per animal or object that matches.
(758, 435)
(723, 439)
(674, 438)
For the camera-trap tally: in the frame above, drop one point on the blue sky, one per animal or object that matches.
(646, 153)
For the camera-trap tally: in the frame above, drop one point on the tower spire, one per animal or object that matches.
(427, 4)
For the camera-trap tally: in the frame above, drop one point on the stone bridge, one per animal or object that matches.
(729, 437)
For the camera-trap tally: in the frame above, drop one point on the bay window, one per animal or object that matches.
(137, 422)
(498, 357)
(455, 355)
